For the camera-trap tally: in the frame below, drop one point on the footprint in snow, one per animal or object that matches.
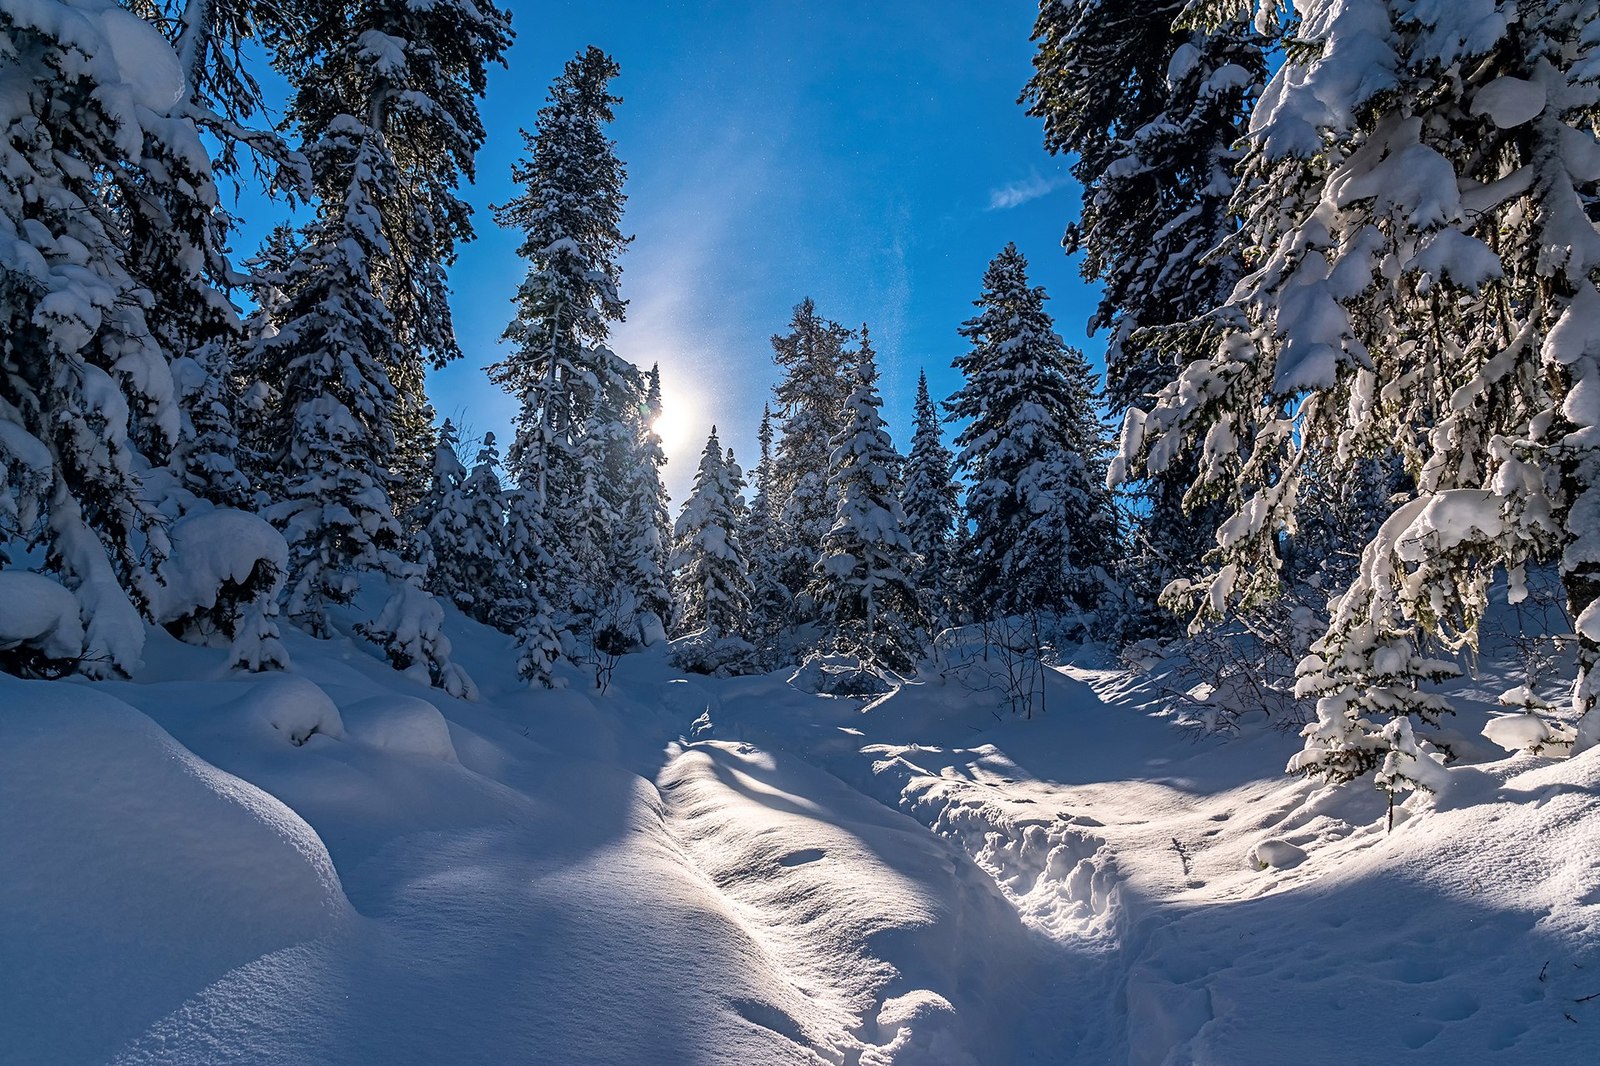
(801, 857)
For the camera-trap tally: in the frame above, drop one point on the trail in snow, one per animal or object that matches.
(1466, 935)
(901, 946)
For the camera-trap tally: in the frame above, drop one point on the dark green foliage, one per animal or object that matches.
(1034, 452)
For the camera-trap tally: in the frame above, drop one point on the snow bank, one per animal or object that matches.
(134, 873)
(568, 891)
(39, 615)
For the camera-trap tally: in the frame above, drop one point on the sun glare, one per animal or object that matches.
(674, 423)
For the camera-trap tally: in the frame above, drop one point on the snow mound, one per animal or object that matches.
(1275, 854)
(403, 725)
(140, 875)
(285, 708)
(708, 651)
(923, 1024)
(838, 675)
(39, 614)
(213, 547)
(1528, 732)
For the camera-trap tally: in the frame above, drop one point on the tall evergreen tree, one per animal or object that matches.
(810, 403)
(588, 517)
(463, 522)
(1043, 523)
(643, 548)
(770, 601)
(929, 499)
(736, 478)
(1152, 107)
(710, 573)
(654, 408)
(868, 603)
(385, 98)
(405, 79)
(574, 392)
(93, 171)
(497, 594)
(1418, 200)
(539, 645)
(333, 425)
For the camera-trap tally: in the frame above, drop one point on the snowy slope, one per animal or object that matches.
(338, 865)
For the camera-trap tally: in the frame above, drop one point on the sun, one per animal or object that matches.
(672, 425)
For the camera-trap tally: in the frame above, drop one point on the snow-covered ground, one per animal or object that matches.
(338, 865)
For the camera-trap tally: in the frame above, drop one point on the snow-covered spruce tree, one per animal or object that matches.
(736, 478)
(568, 383)
(214, 41)
(411, 74)
(538, 639)
(411, 630)
(257, 644)
(222, 584)
(652, 412)
(810, 406)
(333, 342)
(257, 401)
(481, 558)
(1381, 684)
(710, 576)
(92, 161)
(1153, 109)
(929, 499)
(770, 601)
(592, 520)
(206, 457)
(410, 625)
(538, 644)
(332, 425)
(1034, 451)
(441, 516)
(172, 231)
(1417, 202)
(861, 585)
(642, 548)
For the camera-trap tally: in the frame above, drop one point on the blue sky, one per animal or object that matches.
(871, 156)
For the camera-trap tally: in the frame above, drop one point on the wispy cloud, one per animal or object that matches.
(1016, 193)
